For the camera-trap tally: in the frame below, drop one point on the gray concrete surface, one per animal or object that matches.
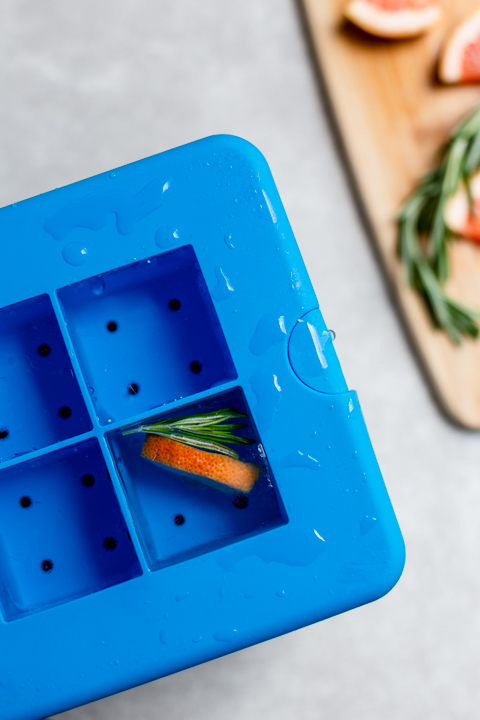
(92, 85)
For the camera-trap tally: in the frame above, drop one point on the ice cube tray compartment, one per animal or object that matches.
(146, 334)
(177, 520)
(62, 533)
(40, 401)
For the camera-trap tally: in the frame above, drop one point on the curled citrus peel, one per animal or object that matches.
(460, 59)
(393, 18)
(229, 473)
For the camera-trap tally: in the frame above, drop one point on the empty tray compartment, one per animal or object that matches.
(146, 334)
(62, 533)
(40, 401)
(177, 515)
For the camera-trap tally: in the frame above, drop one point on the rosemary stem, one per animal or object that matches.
(423, 234)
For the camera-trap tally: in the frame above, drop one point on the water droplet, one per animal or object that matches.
(91, 390)
(296, 280)
(366, 524)
(223, 289)
(197, 639)
(310, 360)
(267, 390)
(166, 237)
(270, 207)
(112, 174)
(283, 547)
(228, 240)
(351, 406)
(164, 636)
(333, 334)
(299, 458)
(181, 596)
(97, 286)
(280, 593)
(271, 329)
(75, 253)
(226, 635)
(94, 211)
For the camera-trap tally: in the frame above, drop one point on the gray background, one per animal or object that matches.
(95, 84)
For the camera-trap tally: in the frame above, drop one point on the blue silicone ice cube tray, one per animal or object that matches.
(168, 289)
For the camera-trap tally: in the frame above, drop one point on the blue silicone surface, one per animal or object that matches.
(169, 287)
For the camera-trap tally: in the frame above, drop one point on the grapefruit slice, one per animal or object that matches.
(224, 472)
(460, 59)
(462, 218)
(393, 18)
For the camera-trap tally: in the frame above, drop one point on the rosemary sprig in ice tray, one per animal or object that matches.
(424, 236)
(206, 431)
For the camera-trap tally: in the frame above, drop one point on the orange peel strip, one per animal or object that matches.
(234, 475)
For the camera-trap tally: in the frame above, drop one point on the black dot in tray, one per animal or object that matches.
(44, 350)
(112, 326)
(179, 519)
(240, 501)
(25, 501)
(133, 389)
(88, 480)
(110, 543)
(65, 412)
(3, 434)
(174, 304)
(196, 367)
(47, 566)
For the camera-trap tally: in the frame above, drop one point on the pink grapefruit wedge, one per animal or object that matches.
(462, 217)
(393, 18)
(460, 59)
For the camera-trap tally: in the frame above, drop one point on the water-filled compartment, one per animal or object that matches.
(179, 516)
(40, 401)
(62, 533)
(146, 334)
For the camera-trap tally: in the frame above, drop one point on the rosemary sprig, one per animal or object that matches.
(424, 237)
(207, 431)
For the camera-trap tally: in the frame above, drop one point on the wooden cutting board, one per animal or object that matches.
(394, 116)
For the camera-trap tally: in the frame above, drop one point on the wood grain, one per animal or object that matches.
(393, 116)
